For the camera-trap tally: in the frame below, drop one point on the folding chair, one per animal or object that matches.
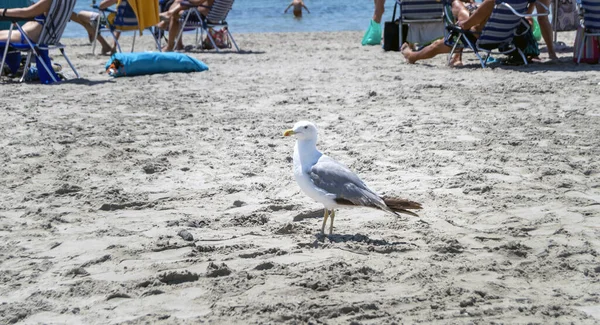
(420, 12)
(123, 19)
(497, 34)
(53, 26)
(590, 23)
(215, 18)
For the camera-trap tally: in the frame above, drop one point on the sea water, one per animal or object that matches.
(265, 16)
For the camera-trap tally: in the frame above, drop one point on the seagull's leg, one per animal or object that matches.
(332, 215)
(325, 215)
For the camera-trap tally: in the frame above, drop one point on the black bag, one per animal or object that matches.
(391, 33)
(525, 41)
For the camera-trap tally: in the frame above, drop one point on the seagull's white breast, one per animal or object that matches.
(303, 162)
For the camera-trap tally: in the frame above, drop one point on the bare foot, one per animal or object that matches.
(165, 16)
(107, 50)
(408, 53)
(456, 60)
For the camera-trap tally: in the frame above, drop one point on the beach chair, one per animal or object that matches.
(193, 19)
(128, 16)
(53, 26)
(415, 12)
(497, 36)
(590, 24)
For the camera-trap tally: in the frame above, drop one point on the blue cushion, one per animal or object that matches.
(135, 64)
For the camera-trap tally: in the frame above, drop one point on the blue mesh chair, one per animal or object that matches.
(193, 19)
(497, 34)
(590, 23)
(53, 26)
(419, 12)
(122, 19)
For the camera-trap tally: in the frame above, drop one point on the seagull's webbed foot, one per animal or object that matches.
(325, 215)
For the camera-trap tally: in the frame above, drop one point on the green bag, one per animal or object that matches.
(537, 32)
(372, 35)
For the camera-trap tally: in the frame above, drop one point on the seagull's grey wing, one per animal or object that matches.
(335, 178)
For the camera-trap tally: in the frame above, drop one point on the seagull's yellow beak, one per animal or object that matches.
(289, 132)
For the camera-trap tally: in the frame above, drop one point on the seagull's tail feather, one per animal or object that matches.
(402, 205)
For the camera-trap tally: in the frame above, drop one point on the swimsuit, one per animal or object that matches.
(471, 7)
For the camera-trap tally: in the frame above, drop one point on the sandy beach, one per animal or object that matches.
(170, 198)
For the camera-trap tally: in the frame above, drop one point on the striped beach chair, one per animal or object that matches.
(590, 24)
(419, 12)
(123, 19)
(217, 14)
(497, 34)
(53, 26)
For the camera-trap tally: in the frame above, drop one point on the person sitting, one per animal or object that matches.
(171, 19)
(298, 5)
(469, 17)
(32, 29)
(89, 19)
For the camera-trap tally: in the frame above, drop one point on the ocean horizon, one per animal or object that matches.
(264, 16)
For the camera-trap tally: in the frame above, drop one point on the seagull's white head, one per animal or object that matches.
(303, 130)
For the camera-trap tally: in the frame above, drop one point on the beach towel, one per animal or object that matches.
(590, 51)
(146, 12)
(135, 64)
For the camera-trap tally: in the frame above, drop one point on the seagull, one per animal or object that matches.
(333, 184)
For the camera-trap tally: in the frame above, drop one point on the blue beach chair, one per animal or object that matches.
(53, 26)
(497, 34)
(590, 23)
(414, 12)
(194, 20)
(123, 19)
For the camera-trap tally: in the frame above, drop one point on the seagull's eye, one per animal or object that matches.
(306, 127)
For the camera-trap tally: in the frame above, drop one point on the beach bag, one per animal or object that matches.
(135, 64)
(567, 17)
(391, 33)
(372, 35)
(591, 48)
(526, 42)
(220, 37)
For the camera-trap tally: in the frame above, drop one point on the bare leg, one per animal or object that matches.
(460, 12)
(332, 215)
(174, 27)
(428, 52)
(85, 24)
(546, 29)
(379, 10)
(325, 215)
(15, 37)
(84, 18)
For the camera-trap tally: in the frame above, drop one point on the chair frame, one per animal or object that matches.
(476, 47)
(112, 29)
(586, 34)
(204, 27)
(32, 49)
